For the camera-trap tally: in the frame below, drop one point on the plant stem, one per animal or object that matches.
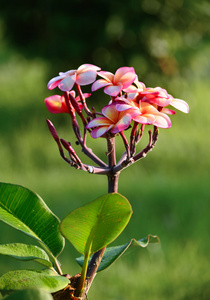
(112, 188)
(112, 177)
(113, 183)
(81, 285)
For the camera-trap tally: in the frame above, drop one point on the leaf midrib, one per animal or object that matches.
(93, 230)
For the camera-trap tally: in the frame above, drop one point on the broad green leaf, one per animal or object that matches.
(111, 254)
(29, 294)
(27, 212)
(95, 225)
(26, 252)
(20, 279)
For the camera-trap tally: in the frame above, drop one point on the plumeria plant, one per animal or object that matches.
(90, 228)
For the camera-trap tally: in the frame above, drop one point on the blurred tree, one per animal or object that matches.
(153, 35)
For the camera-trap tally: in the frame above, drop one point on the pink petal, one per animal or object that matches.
(162, 121)
(168, 111)
(133, 112)
(123, 71)
(141, 86)
(107, 75)
(131, 96)
(146, 107)
(113, 90)
(67, 83)
(111, 112)
(54, 82)
(56, 104)
(67, 73)
(97, 132)
(99, 84)
(72, 93)
(88, 67)
(125, 104)
(157, 96)
(86, 95)
(180, 105)
(86, 77)
(157, 100)
(98, 122)
(131, 89)
(127, 79)
(144, 119)
(122, 124)
(138, 87)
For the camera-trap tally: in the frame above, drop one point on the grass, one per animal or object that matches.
(169, 190)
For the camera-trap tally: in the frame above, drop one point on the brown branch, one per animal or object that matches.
(87, 151)
(132, 138)
(126, 144)
(93, 267)
(153, 136)
(82, 98)
(74, 157)
(57, 140)
(77, 109)
(138, 136)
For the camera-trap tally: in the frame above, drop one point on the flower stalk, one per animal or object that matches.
(131, 105)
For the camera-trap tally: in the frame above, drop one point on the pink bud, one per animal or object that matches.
(52, 130)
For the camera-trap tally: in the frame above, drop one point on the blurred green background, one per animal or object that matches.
(168, 44)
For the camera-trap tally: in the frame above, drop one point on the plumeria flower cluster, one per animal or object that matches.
(130, 105)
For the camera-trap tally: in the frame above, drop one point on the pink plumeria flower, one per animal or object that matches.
(85, 74)
(156, 96)
(161, 98)
(56, 104)
(135, 88)
(144, 113)
(114, 83)
(177, 103)
(132, 91)
(113, 121)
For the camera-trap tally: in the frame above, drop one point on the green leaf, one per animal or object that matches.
(26, 252)
(95, 225)
(111, 254)
(49, 281)
(29, 294)
(27, 212)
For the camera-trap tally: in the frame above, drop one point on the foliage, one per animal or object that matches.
(101, 225)
(26, 211)
(30, 294)
(20, 279)
(26, 252)
(111, 254)
(98, 215)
